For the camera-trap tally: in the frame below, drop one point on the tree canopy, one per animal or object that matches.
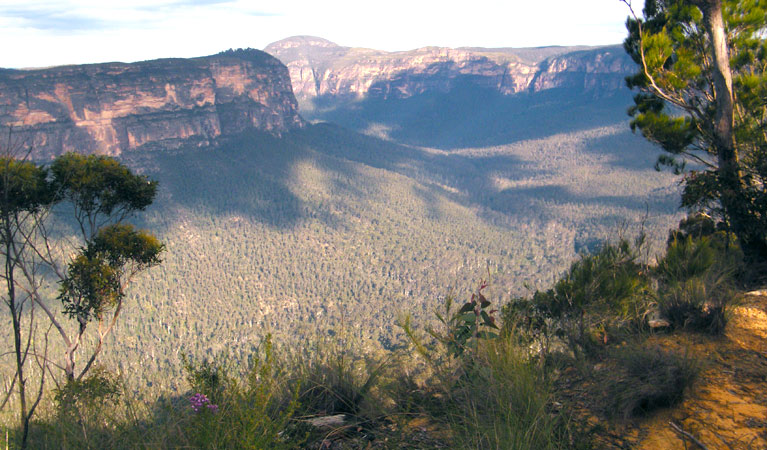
(92, 272)
(703, 99)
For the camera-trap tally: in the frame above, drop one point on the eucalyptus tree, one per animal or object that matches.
(24, 195)
(90, 273)
(703, 99)
(100, 194)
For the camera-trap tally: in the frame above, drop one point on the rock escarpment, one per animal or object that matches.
(113, 107)
(321, 69)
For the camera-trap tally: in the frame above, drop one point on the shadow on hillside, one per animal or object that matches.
(246, 176)
(625, 150)
(471, 180)
(254, 176)
(469, 115)
(535, 196)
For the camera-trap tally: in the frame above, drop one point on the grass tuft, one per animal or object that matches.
(647, 379)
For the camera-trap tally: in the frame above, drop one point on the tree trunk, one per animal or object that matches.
(730, 176)
(15, 311)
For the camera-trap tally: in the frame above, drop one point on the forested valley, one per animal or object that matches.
(325, 230)
(413, 266)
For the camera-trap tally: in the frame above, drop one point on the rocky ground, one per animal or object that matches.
(727, 406)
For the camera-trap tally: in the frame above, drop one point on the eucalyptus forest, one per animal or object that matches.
(499, 276)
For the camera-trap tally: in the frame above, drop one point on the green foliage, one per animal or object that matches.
(333, 376)
(466, 328)
(605, 299)
(505, 402)
(697, 304)
(611, 280)
(99, 187)
(91, 287)
(120, 244)
(87, 396)
(101, 191)
(612, 293)
(249, 413)
(496, 398)
(492, 396)
(499, 400)
(98, 193)
(690, 257)
(205, 377)
(678, 108)
(252, 411)
(24, 194)
(646, 379)
(606, 290)
(95, 278)
(676, 134)
(696, 276)
(88, 414)
(23, 186)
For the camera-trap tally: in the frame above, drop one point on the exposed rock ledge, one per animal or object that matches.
(321, 69)
(113, 107)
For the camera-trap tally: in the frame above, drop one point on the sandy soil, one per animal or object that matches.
(727, 407)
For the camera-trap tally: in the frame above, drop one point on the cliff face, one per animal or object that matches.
(113, 107)
(319, 68)
(601, 71)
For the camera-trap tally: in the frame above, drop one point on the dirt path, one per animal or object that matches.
(727, 408)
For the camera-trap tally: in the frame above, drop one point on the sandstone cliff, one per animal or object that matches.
(113, 107)
(321, 69)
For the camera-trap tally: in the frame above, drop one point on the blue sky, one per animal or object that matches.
(38, 33)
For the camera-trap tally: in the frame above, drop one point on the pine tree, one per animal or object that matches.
(703, 99)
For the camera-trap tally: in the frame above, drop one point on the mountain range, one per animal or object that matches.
(115, 107)
(453, 98)
(388, 181)
(431, 96)
(321, 70)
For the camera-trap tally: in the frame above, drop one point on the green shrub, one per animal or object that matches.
(205, 377)
(611, 281)
(224, 411)
(505, 402)
(527, 321)
(688, 257)
(695, 281)
(465, 328)
(490, 394)
(698, 304)
(606, 290)
(87, 414)
(647, 379)
(86, 396)
(333, 376)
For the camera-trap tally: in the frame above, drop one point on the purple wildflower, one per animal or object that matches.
(198, 401)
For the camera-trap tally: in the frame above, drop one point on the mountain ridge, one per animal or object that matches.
(320, 68)
(110, 108)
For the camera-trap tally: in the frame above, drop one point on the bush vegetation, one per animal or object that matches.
(696, 276)
(597, 318)
(646, 379)
(450, 381)
(472, 380)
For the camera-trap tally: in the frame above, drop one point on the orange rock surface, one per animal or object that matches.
(727, 407)
(114, 107)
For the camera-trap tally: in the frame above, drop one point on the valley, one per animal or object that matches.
(375, 209)
(325, 230)
(314, 225)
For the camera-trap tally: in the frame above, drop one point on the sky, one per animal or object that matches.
(41, 33)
